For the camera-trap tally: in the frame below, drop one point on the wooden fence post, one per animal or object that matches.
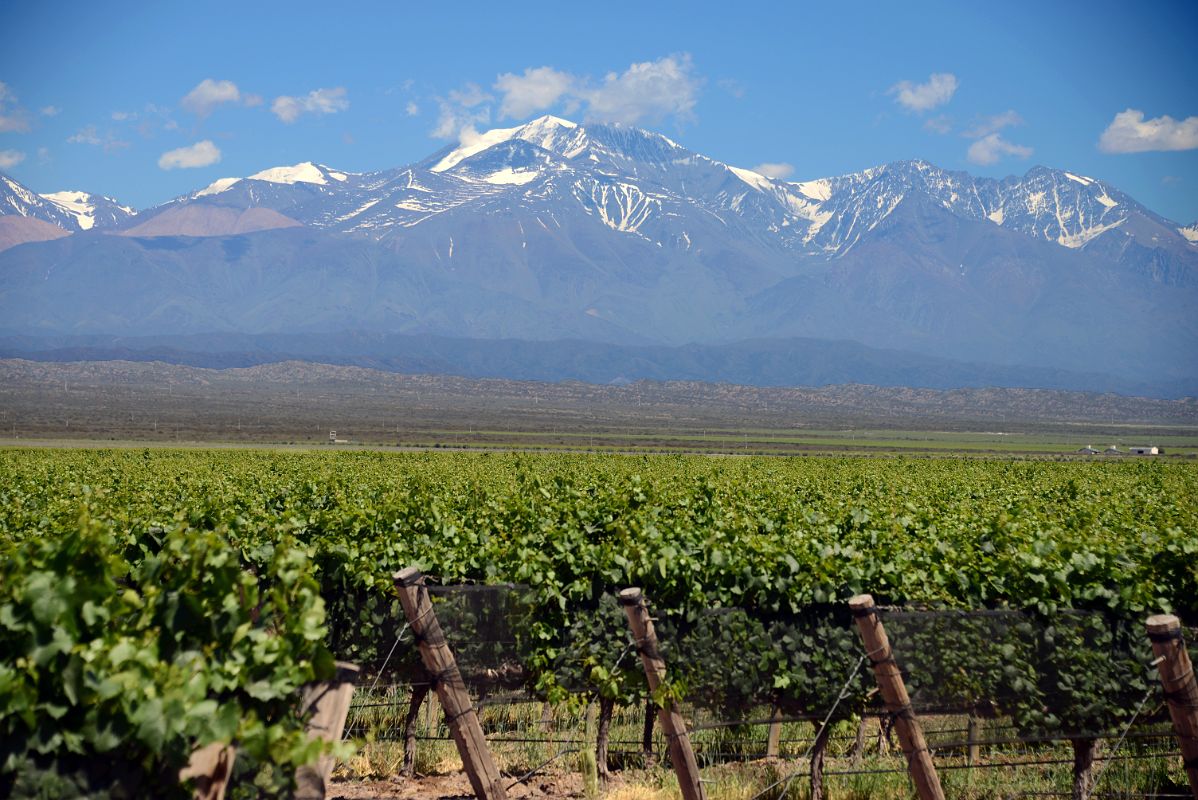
(209, 770)
(1181, 687)
(973, 753)
(672, 724)
(409, 730)
(329, 704)
(451, 691)
(890, 682)
(774, 735)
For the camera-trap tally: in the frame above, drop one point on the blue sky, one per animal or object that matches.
(140, 100)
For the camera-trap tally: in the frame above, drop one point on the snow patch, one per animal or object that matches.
(217, 186)
(819, 190)
(77, 204)
(996, 216)
(1075, 240)
(511, 176)
(1084, 181)
(1190, 233)
(307, 172)
(1106, 200)
(357, 211)
(754, 179)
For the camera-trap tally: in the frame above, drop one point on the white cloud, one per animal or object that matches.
(774, 170)
(461, 111)
(921, 97)
(85, 136)
(13, 118)
(317, 101)
(200, 154)
(646, 92)
(43, 155)
(10, 158)
(941, 124)
(121, 116)
(992, 147)
(536, 90)
(988, 125)
(89, 135)
(16, 121)
(208, 94)
(411, 109)
(51, 111)
(1129, 132)
(649, 92)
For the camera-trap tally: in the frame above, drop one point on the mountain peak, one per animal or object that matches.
(86, 209)
(547, 132)
(304, 172)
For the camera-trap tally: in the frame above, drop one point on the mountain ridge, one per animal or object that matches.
(606, 233)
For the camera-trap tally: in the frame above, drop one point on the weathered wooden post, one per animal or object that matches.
(329, 704)
(890, 682)
(209, 770)
(973, 732)
(419, 692)
(1181, 687)
(672, 724)
(774, 736)
(647, 734)
(447, 681)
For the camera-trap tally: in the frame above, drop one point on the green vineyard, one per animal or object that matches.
(155, 601)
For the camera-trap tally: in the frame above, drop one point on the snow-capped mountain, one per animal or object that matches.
(604, 232)
(17, 200)
(644, 184)
(71, 211)
(26, 216)
(90, 210)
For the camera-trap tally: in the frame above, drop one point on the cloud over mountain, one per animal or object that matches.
(208, 94)
(1129, 132)
(318, 101)
(919, 97)
(200, 154)
(645, 92)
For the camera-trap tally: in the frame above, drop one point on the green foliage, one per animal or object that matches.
(785, 540)
(123, 653)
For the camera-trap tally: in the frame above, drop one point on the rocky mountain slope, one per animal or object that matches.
(553, 230)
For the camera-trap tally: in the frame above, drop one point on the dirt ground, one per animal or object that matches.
(452, 787)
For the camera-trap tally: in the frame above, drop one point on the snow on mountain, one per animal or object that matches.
(304, 172)
(558, 230)
(18, 200)
(548, 132)
(217, 186)
(643, 184)
(89, 210)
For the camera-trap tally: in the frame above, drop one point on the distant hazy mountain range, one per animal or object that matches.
(606, 240)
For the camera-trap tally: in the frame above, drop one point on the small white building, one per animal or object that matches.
(1145, 451)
